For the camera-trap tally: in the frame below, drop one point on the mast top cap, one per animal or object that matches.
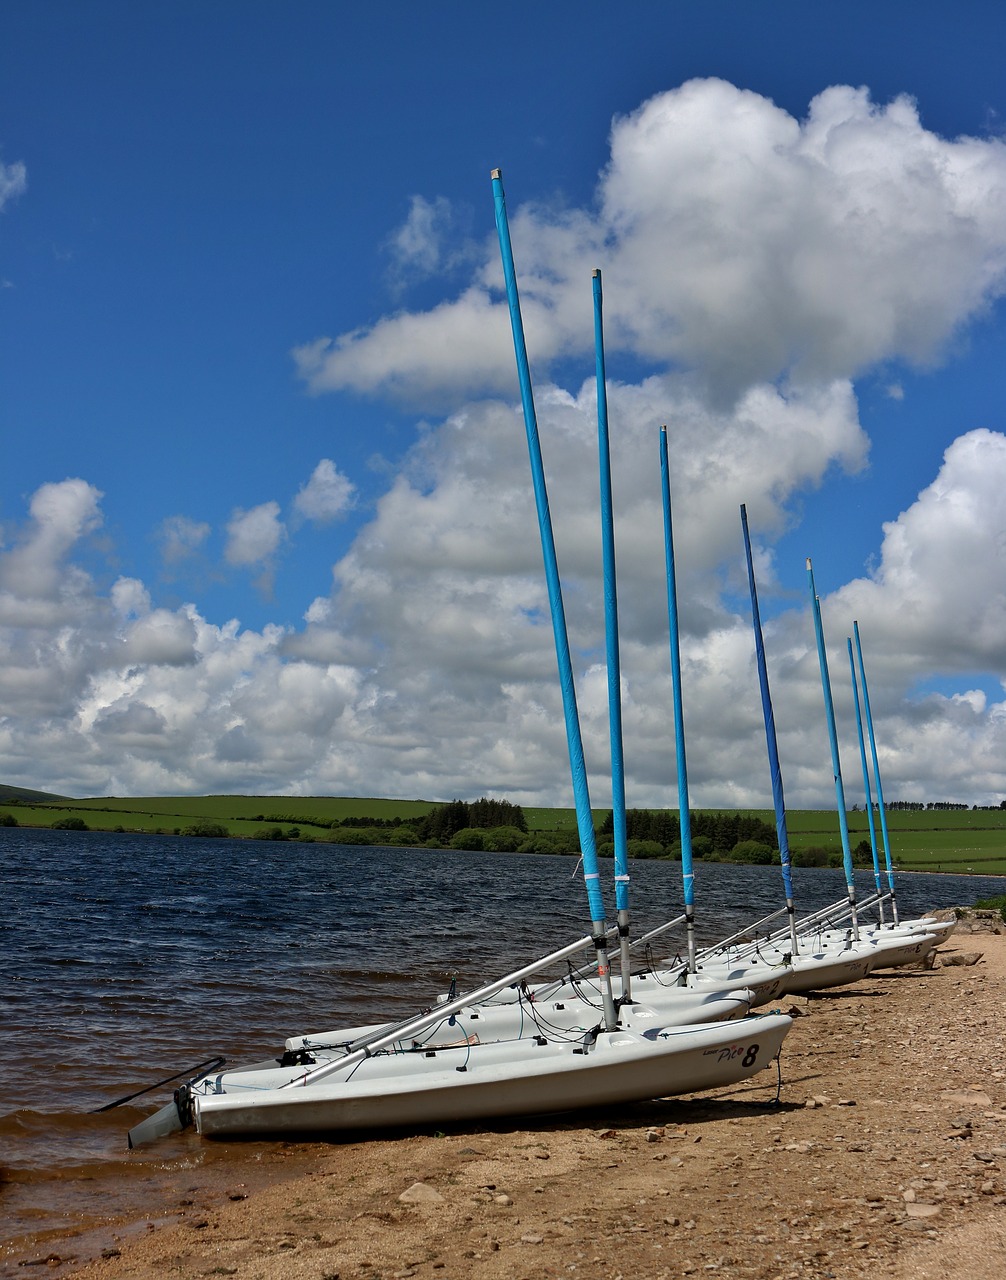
(496, 173)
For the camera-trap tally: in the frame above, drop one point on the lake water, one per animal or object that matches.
(127, 958)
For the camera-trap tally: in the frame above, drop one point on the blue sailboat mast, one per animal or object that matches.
(866, 778)
(578, 768)
(836, 765)
(876, 773)
(611, 649)
(684, 811)
(771, 740)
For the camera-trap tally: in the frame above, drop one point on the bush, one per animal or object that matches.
(993, 904)
(862, 855)
(537, 845)
(355, 835)
(205, 828)
(752, 852)
(269, 833)
(7, 820)
(814, 856)
(70, 824)
(565, 842)
(404, 836)
(644, 849)
(469, 838)
(503, 839)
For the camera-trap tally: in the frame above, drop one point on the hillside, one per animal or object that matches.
(962, 841)
(17, 794)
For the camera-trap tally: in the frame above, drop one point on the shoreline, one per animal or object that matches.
(950, 868)
(887, 1155)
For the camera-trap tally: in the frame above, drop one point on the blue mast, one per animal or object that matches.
(684, 812)
(876, 773)
(578, 768)
(611, 644)
(836, 765)
(866, 777)
(771, 741)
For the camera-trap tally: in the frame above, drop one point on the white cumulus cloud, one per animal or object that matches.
(326, 496)
(255, 535)
(181, 538)
(419, 243)
(430, 671)
(61, 515)
(735, 240)
(13, 181)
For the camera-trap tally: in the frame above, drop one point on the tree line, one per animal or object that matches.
(942, 806)
(722, 831)
(445, 820)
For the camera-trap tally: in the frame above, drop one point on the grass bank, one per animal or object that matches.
(958, 841)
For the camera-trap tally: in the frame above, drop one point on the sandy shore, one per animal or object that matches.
(886, 1155)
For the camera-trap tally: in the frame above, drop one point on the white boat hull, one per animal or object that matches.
(766, 980)
(891, 952)
(825, 968)
(921, 924)
(570, 1015)
(490, 1080)
(889, 948)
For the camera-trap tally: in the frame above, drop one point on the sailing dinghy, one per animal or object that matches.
(319, 1083)
(391, 1077)
(920, 924)
(535, 1012)
(475, 1082)
(815, 958)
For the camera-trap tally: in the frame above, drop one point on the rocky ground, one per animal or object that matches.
(886, 1155)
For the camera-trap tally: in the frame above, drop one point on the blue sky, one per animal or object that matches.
(264, 513)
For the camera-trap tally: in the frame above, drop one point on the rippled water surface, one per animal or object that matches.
(126, 958)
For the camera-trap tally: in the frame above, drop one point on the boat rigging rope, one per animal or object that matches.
(785, 958)
(777, 1100)
(553, 1031)
(195, 1073)
(654, 969)
(583, 988)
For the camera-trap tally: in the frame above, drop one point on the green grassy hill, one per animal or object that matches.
(930, 840)
(8, 794)
(240, 815)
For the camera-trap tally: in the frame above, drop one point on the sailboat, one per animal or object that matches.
(920, 924)
(392, 1076)
(764, 976)
(820, 950)
(890, 944)
(819, 955)
(499, 1078)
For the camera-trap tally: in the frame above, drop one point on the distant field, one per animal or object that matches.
(933, 840)
(241, 815)
(954, 840)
